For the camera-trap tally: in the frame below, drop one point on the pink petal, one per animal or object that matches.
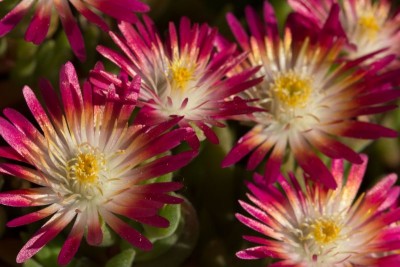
(377, 194)
(94, 233)
(337, 171)
(90, 15)
(208, 132)
(245, 144)
(310, 163)
(25, 147)
(331, 147)
(273, 166)
(8, 22)
(255, 253)
(238, 31)
(354, 180)
(51, 100)
(71, 245)
(126, 232)
(40, 23)
(255, 24)
(37, 110)
(271, 22)
(26, 127)
(10, 153)
(45, 235)
(27, 197)
(71, 28)
(154, 221)
(162, 166)
(23, 172)
(363, 130)
(34, 216)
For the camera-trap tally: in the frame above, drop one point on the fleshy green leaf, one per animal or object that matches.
(32, 263)
(173, 214)
(109, 236)
(123, 259)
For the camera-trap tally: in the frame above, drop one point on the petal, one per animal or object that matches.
(126, 232)
(34, 216)
(273, 166)
(71, 28)
(94, 233)
(90, 15)
(71, 245)
(45, 235)
(28, 197)
(255, 253)
(309, 162)
(8, 22)
(40, 23)
(23, 172)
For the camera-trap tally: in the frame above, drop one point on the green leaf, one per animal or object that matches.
(174, 250)
(109, 236)
(173, 214)
(161, 179)
(123, 259)
(32, 263)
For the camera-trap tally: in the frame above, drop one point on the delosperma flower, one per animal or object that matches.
(40, 23)
(89, 164)
(310, 98)
(320, 227)
(183, 75)
(369, 25)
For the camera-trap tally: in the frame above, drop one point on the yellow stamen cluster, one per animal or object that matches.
(180, 75)
(85, 168)
(292, 90)
(325, 231)
(369, 26)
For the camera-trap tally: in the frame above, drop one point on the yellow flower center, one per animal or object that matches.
(369, 26)
(292, 90)
(325, 231)
(180, 75)
(85, 168)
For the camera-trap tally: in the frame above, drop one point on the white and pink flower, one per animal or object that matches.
(313, 226)
(40, 23)
(310, 96)
(369, 25)
(90, 165)
(183, 75)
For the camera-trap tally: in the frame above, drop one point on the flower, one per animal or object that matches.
(182, 76)
(317, 226)
(40, 23)
(311, 99)
(369, 25)
(90, 165)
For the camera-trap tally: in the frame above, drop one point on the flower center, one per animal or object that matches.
(325, 231)
(292, 90)
(86, 171)
(180, 75)
(86, 168)
(369, 26)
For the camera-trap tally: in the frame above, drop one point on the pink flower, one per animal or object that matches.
(40, 23)
(316, 226)
(91, 166)
(369, 25)
(183, 75)
(311, 99)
